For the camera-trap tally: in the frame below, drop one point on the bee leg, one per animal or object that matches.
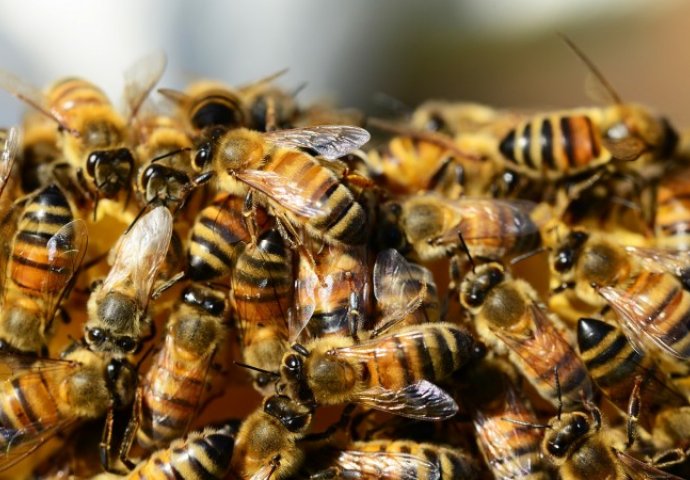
(341, 424)
(130, 433)
(633, 412)
(106, 441)
(670, 458)
(160, 289)
(249, 214)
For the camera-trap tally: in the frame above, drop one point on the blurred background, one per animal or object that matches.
(502, 52)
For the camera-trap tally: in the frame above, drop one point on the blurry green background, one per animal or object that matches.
(502, 52)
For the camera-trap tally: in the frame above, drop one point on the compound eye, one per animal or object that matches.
(294, 424)
(395, 209)
(126, 344)
(95, 336)
(202, 157)
(293, 363)
(580, 426)
(475, 297)
(214, 306)
(555, 448)
(149, 172)
(563, 261)
(262, 380)
(92, 161)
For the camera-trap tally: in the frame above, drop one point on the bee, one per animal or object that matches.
(507, 316)
(672, 217)
(203, 454)
(393, 373)
(117, 307)
(429, 227)
(331, 291)
(262, 296)
(296, 187)
(93, 136)
(217, 236)
(399, 459)
(270, 432)
(169, 396)
(270, 107)
(614, 366)
(41, 263)
(40, 150)
(43, 397)
(569, 143)
(650, 301)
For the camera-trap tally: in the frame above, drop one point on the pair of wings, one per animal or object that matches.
(364, 465)
(329, 141)
(139, 253)
(140, 79)
(630, 309)
(24, 440)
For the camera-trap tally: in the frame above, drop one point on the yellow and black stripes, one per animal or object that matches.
(216, 108)
(672, 216)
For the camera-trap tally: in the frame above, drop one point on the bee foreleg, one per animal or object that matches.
(131, 432)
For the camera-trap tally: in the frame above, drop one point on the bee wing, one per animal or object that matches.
(661, 260)
(261, 82)
(635, 322)
(393, 278)
(353, 464)
(9, 153)
(283, 191)
(140, 253)
(12, 365)
(29, 438)
(32, 96)
(625, 149)
(639, 470)
(329, 141)
(140, 78)
(307, 288)
(65, 252)
(422, 400)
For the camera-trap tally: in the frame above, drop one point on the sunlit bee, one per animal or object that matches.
(615, 366)
(331, 289)
(429, 226)
(41, 398)
(40, 263)
(117, 308)
(296, 187)
(393, 372)
(262, 295)
(171, 393)
(217, 236)
(93, 134)
(400, 459)
(507, 317)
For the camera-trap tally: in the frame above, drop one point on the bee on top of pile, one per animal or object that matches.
(222, 282)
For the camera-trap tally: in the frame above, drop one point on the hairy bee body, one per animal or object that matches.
(672, 215)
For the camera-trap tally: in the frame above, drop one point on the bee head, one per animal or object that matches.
(110, 170)
(162, 183)
(293, 416)
(478, 284)
(565, 434)
(568, 252)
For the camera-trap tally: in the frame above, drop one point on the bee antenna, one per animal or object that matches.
(464, 246)
(525, 424)
(257, 369)
(301, 349)
(529, 254)
(592, 68)
(170, 154)
(558, 391)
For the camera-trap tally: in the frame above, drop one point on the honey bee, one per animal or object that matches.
(43, 397)
(169, 396)
(262, 296)
(93, 136)
(203, 454)
(297, 189)
(507, 316)
(270, 107)
(331, 291)
(430, 227)
(40, 264)
(566, 144)
(271, 432)
(40, 149)
(117, 307)
(614, 366)
(217, 236)
(672, 212)
(393, 373)
(399, 459)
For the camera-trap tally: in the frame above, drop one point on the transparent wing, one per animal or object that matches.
(353, 464)
(400, 287)
(174, 96)
(9, 153)
(639, 470)
(22, 442)
(307, 289)
(330, 142)
(140, 79)
(661, 260)
(283, 191)
(65, 252)
(266, 471)
(140, 253)
(422, 400)
(642, 319)
(12, 365)
(262, 82)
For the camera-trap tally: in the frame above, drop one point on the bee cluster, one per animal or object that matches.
(379, 278)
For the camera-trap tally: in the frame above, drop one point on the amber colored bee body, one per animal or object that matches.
(672, 214)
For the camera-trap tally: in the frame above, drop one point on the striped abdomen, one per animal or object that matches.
(216, 237)
(451, 463)
(421, 352)
(343, 219)
(555, 145)
(30, 265)
(171, 394)
(72, 94)
(672, 219)
(202, 455)
(614, 366)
